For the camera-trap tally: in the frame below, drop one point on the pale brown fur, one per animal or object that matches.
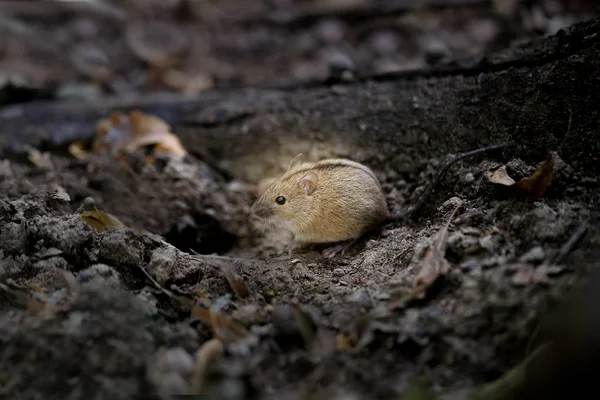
(344, 204)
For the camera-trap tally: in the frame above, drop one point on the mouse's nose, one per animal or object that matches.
(261, 210)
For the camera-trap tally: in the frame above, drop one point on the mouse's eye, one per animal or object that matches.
(280, 200)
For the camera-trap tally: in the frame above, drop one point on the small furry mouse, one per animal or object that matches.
(333, 201)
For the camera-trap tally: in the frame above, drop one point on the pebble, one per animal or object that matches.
(483, 30)
(435, 50)
(384, 43)
(515, 267)
(469, 264)
(162, 263)
(178, 360)
(487, 242)
(339, 272)
(338, 62)
(330, 31)
(101, 273)
(450, 204)
(79, 91)
(172, 384)
(533, 256)
(359, 297)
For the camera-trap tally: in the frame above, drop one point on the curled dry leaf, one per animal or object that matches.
(228, 267)
(541, 179)
(187, 84)
(159, 43)
(434, 264)
(77, 150)
(224, 328)
(210, 351)
(40, 160)
(344, 342)
(96, 218)
(536, 184)
(91, 61)
(235, 280)
(500, 177)
(307, 328)
(130, 133)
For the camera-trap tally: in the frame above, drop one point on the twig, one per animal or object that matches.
(568, 132)
(209, 256)
(568, 246)
(405, 214)
(165, 291)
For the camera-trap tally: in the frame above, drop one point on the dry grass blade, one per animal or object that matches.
(225, 328)
(505, 387)
(73, 283)
(308, 330)
(228, 266)
(210, 351)
(235, 280)
(417, 390)
(434, 264)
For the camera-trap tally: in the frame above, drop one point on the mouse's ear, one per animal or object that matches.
(309, 182)
(295, 161)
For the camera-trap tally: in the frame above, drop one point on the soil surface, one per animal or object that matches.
(140, 310)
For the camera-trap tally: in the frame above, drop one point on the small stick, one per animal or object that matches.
(405, 214)
(569, 245)
(209, 256)
(162, 289)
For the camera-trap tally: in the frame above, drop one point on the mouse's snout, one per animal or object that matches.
(261, 210)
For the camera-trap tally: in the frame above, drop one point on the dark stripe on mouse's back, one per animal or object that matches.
(332, 166)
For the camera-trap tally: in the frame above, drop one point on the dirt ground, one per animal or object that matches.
(123, 313)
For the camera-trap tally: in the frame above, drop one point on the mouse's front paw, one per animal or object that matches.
(338, 249)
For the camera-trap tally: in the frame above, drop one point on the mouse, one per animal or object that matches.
(334, 201)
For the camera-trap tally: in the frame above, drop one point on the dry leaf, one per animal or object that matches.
(307, 328)
(434, 264)
(500, 176)
(541, 179)
(200, 293)
(515, 379)
(523, 276)
(99, 220)
(235, 280)
(344, 342)
(77, 150)
(210, 351)
(40, 160)
(536, 185)
(143, 124)
(225, 328)
(187, 84)
(164, 143)
(129, 133)
(228, 267)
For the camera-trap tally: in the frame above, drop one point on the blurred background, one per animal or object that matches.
(91, 48)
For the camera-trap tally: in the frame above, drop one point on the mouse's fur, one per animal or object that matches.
(327, 201)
